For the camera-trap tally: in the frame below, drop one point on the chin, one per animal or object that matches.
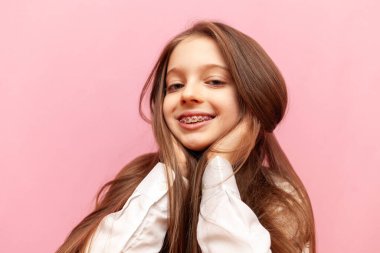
(195, 147)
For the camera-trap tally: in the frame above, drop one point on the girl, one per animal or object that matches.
(220, 181)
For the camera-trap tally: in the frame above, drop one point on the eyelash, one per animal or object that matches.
(170, 87)
(213, 82)
(219, 82)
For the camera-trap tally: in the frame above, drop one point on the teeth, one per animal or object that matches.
(194, 119)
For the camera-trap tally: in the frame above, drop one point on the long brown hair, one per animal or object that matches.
(267, 182)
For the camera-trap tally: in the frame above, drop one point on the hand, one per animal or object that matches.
(233, 141)
(225, 222)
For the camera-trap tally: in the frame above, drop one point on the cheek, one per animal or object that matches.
(235, 108)
(234, 104)
(232, 113)
(230, 105)
(167, 109)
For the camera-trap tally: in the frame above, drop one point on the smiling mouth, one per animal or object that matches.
(195, 119)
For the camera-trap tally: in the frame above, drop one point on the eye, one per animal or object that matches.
(215, 82)
(174, 87)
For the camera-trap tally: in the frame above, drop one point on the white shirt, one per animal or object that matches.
(226, 224)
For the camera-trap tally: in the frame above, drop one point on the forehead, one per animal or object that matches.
(196, 51)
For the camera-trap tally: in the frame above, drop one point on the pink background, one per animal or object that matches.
(71, 73)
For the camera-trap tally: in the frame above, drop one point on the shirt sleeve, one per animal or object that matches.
(141, 225)
(226, 223)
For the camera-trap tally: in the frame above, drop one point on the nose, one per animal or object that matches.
(191, 93)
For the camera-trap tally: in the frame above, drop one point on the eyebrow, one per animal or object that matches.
(202, 68)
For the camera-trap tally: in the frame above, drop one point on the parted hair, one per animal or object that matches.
(266, 179)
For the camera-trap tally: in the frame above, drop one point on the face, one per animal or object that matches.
(200, 104)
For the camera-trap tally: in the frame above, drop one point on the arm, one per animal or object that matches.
(141, 225)
(227, 224)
